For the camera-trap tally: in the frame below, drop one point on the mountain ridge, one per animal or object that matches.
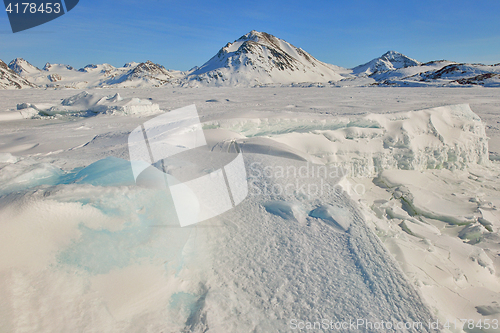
(254, 59)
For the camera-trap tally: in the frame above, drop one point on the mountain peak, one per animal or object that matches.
(149, 68)
(254, 35)
(22, 67)
(390, 60)
(9, 79)
(18, 60)
(392, 53)
(259, 37)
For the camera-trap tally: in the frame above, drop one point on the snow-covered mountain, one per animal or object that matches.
(464, 74)
(133, 74)
(256, 58)
(259, 58)
(61, 76)
(23, 68)
(439, 73)
(396, 69)
(10, 79)
(389, 61)
(142, 74)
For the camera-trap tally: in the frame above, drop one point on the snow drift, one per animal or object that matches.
(449, 137)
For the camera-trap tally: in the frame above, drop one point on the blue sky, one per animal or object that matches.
(182, 34)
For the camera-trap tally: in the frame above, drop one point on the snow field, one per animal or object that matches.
(84, 248)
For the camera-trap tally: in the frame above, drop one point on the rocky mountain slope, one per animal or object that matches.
(10, 79)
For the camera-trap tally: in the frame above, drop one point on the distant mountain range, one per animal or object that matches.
(255, 59)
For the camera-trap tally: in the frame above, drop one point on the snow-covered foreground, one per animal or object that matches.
(354, 217)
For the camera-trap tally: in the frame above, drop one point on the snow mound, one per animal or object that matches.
(89, 104)
(336, 216)
(285, 210)
(449, 137)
